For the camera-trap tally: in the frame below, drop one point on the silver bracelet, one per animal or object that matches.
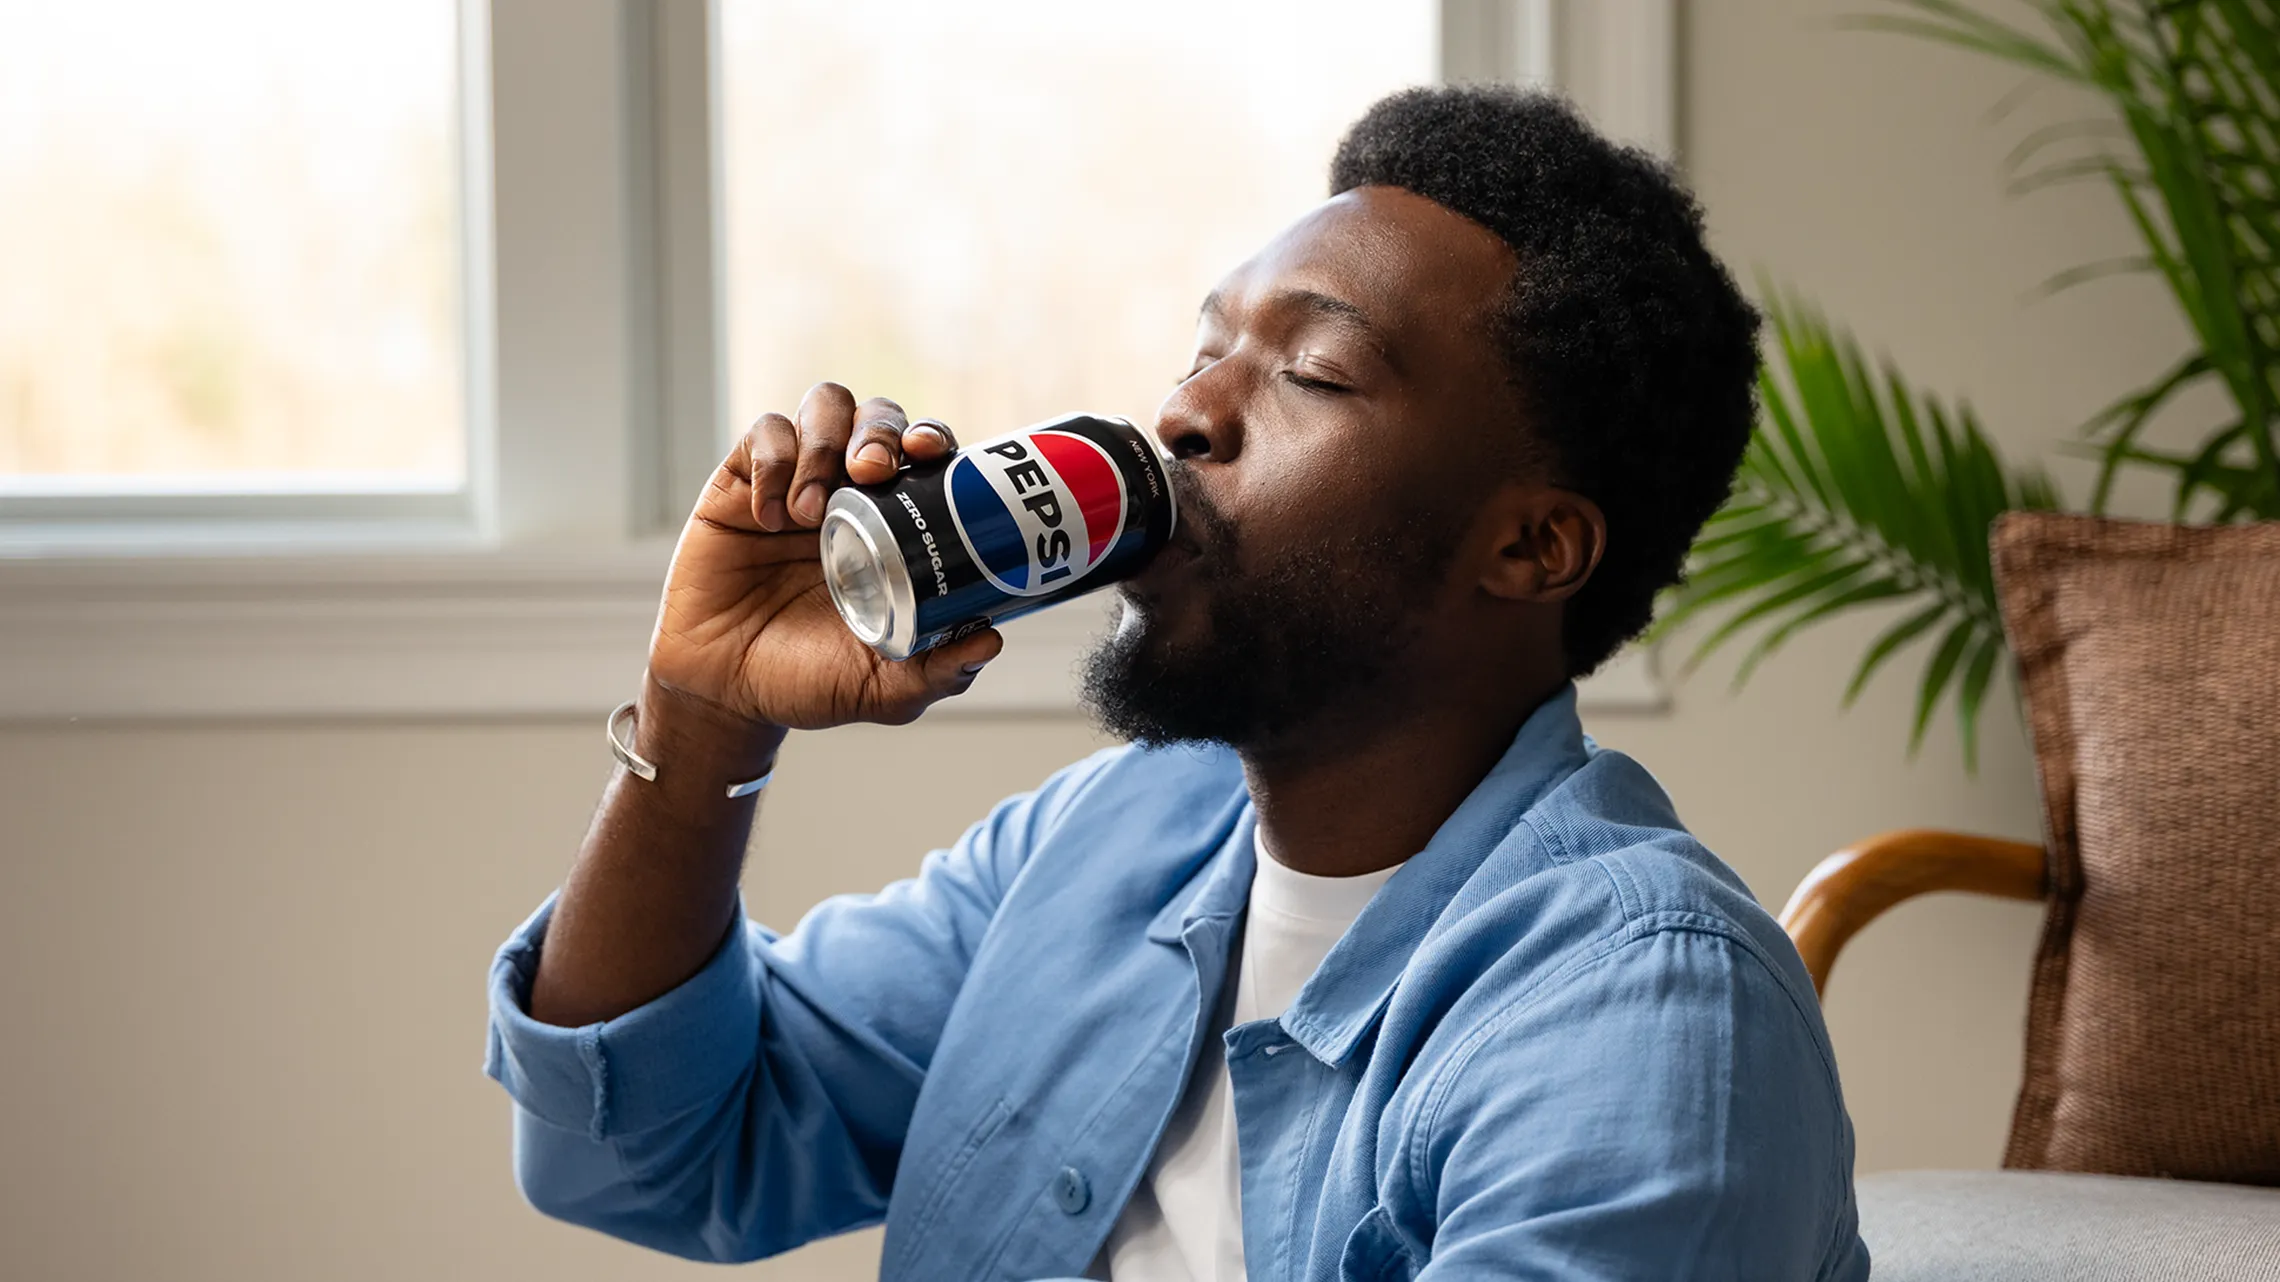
(647, 769)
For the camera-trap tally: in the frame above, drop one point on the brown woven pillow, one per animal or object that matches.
(2150, 660)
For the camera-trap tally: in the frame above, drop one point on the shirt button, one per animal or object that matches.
(1071, 1191)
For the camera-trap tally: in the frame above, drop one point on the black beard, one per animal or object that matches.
(1299, 644)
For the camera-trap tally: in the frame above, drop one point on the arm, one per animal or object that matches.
(762, 1103)
(1665, 1111)
(684, 1079)
(747, 644)
(653, 892)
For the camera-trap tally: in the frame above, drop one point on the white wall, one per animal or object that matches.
(241, 969)
(241, 964)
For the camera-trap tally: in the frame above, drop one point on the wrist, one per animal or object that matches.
(693, 740)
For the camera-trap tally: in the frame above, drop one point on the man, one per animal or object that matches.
(1364, 963)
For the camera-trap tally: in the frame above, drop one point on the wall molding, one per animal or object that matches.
(425, 636)
(1618, 59)
(1624, 69)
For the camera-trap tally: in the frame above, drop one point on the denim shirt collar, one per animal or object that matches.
(1223, 888)
(1337, 1008)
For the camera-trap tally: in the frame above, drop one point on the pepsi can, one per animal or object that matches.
(996, 530)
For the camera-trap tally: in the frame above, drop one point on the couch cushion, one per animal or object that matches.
(2031, 1226)
(2149, 656)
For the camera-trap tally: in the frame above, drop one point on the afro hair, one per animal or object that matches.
(1633, 354)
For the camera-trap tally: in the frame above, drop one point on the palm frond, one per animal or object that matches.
(1855, 491)
(2194, 86)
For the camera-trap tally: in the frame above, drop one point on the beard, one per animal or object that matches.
(1298, 643)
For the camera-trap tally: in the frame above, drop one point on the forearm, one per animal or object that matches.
(654, 887)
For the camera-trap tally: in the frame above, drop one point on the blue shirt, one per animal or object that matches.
(1563, 1042)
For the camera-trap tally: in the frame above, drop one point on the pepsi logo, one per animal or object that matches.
(1036, 509)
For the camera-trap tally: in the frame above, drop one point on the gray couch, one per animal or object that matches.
(2036, 1226)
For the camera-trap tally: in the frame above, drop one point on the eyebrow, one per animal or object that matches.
(1327, 307)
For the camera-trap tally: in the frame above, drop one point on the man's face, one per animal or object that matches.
(1346, 412)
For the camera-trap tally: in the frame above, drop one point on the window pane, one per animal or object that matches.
(999, 212)
(229, 245)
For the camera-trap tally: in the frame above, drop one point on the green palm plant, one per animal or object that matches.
(1857, 491)
(2192, 149)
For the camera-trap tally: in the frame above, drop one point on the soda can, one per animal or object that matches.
(998, 529)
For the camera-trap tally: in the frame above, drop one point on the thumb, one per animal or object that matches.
(949, 669)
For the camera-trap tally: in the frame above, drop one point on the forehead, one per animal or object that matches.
(1416, 269)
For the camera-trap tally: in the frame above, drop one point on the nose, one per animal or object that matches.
(1202, 421)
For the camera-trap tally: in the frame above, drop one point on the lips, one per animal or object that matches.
(1200, 521)
(1176, 557)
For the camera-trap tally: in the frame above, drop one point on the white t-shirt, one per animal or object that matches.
(1185, 1220)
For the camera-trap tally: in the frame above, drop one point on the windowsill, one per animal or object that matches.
(425, 632)
(452, 634)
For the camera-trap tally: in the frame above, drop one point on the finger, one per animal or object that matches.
(908, 688)
(928, 439)
(875, 451)
(827, 419)
(771, 448)
(727, 496)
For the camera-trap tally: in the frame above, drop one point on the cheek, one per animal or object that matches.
(1298, 442)
(1314, 470)
(1343, 475)
(1290, 478)
(1303, 508)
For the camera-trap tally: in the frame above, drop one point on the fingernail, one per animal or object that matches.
(972, 668)
(772, 515)
(929, 427)
(876, 454)
(808, 503)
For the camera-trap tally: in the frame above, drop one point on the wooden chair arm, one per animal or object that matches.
(1850, 888)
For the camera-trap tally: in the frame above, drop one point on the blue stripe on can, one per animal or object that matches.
(989, 525)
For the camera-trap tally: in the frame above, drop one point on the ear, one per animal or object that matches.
(1547, 542)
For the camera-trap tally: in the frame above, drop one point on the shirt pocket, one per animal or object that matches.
(1374, 1251)
(946, 1182)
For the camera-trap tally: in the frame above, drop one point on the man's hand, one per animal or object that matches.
(748, 644)
(747, 628)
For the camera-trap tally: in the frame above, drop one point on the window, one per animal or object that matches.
(230, 236)
(363, 356)
(1001, 212)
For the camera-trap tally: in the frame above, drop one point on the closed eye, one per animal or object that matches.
(1321, 386)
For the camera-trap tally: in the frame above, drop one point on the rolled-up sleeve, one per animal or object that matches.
(763, 1103)
(654, 1063)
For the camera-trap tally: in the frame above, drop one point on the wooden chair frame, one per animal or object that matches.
(1854, 886)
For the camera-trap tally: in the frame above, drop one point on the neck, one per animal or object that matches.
(1340, 800)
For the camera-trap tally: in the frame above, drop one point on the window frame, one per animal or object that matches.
(596, 406)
